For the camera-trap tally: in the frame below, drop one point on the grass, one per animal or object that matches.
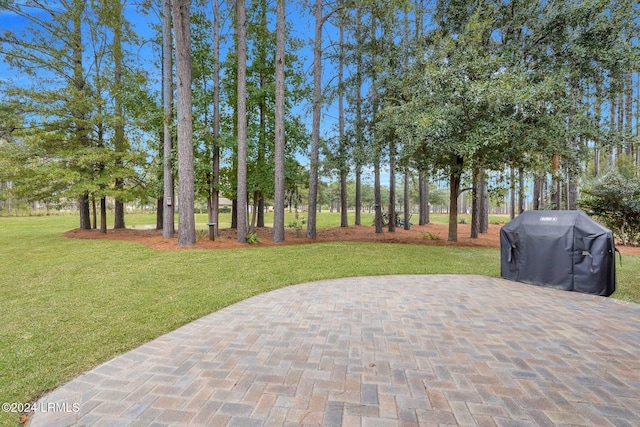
(69, 305)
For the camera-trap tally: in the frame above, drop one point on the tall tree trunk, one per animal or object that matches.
(512, 200)
(259, 202)
(214, 213)
(358, 195)
(423, 188)
(628, 112)
(234, 158)
(186, 195)
(556, 194)
(572, 196)
(475, 202)
(423, 177)
(377, 155)
(597, 107)
(392, 184)
(537, 193)
(242, 121)
(100, 166)
(279, 194)
(405, 64)
(254, 212)
(479, 204)
(573, 164)
(315, 125)
(344, 222)
(81, 132)
(94, 213)
(260, 209)
(407, 211)
(85, 214)
(620, 147)
(455, 177)
(159, 212)
(638, 128)
(612, 126)
(377, 196)
(483, 210)
(358, 125)
(168, 212)
(119, 141)
(573, 177)
(234, 214)
(521, 195)
(259, 197)
(103, 215)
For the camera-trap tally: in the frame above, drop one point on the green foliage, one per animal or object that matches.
(438, 196)
(427, 235)
(482, 99)
(252, 238)
(260, 102)
(201, 233)
(9, 122)
(297, 223)
(463, 83)
(65, 123)
(615, 201)
(626, 166)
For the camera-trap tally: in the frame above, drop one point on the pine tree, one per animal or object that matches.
(241, 115)
(186, 192)
(279, 158)
(168, 211)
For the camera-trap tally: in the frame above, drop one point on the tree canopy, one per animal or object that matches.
(466, 91)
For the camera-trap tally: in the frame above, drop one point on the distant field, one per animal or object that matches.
(324, 219)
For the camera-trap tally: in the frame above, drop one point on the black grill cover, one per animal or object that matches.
(561, 249)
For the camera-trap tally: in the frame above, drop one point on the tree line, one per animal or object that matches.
(517, 91)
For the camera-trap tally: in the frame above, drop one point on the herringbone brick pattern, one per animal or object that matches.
(376, 352)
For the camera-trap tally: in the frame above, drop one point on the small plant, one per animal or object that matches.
(426, 235)
(253, 238)
(201, 234)
(297, 224)
(462, 221)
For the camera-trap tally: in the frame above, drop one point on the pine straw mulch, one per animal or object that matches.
(430, 234)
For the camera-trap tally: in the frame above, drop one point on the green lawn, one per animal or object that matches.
(68, 305)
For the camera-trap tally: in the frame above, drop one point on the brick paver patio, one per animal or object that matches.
(377, 351)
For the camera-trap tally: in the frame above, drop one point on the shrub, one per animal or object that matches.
(201, 234)
(615, 201)
(253, 238)
(430, 236)
(297, 223)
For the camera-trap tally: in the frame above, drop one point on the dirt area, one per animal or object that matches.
(430, 234)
